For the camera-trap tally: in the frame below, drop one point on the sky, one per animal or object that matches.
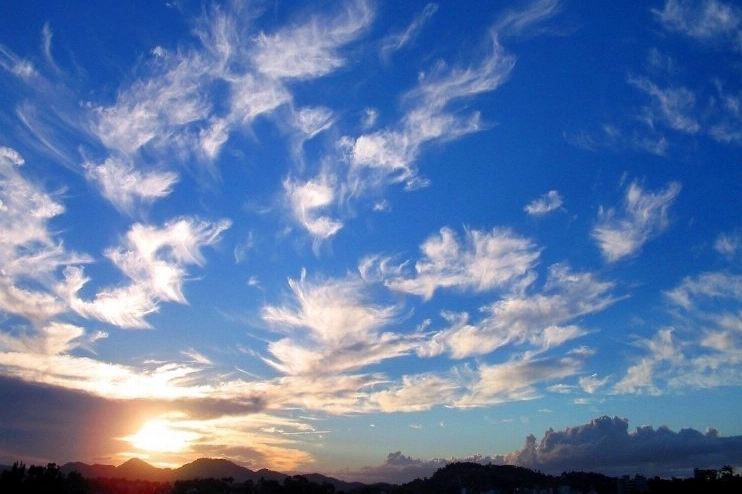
(365, 237)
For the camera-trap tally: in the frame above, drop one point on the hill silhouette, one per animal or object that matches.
(218, 468)
(222, 476)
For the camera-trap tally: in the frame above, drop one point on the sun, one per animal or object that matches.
(158, 436)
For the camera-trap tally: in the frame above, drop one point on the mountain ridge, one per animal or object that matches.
(219, 468)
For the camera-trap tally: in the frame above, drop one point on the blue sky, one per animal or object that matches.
(367, 237)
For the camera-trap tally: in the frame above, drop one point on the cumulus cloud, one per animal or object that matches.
(551, 201)
(644, 215)
(605, 445)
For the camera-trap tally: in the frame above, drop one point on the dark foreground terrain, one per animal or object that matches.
(220, 476)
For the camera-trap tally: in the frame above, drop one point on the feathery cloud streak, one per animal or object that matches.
(644, 215)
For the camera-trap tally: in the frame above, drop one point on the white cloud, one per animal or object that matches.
(305, 199)
(313, 120)
(482, 261)
(522, 22)
(644, 215)
(154, 260)
(332, 329)
(520, 318)
(178, 111)
(388, 155)
(516, 380)
(674, 107)
(551, 201)
(29, 254)
(418, 392)
(52, 339)
(158, 110)
(309, 50)
(16, 65)
(591, 384)
(702, 350)
(706, 20)
(713, 284)
(124, 186)
(125, 306)
(396, 41)
(729, 244)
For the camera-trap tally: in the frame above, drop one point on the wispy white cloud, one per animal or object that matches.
(643, 216)
(707, 20)
(523, 21)
(551, 201)
(332, 328)
(16, 65)
(154, 260)
(29, 253)
(713, 284)
(729, 244)
(53, 338)
(309, 49)
(307, 200)
(591, 384)
(313, 120)
(482, 261)
(516, 379)
(125, 186)
(614, 138)
(178, 110)
(419, 392)
(702, 349)
(537, 320)
(388, 155)
(674, 107)
(397, 41)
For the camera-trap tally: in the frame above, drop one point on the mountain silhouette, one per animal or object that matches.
(203, 468)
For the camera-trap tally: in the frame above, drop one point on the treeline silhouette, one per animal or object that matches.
(455, 478)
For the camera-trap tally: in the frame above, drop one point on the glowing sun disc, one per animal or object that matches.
(158, 436)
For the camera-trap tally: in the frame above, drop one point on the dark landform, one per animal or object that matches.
(219, 476)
